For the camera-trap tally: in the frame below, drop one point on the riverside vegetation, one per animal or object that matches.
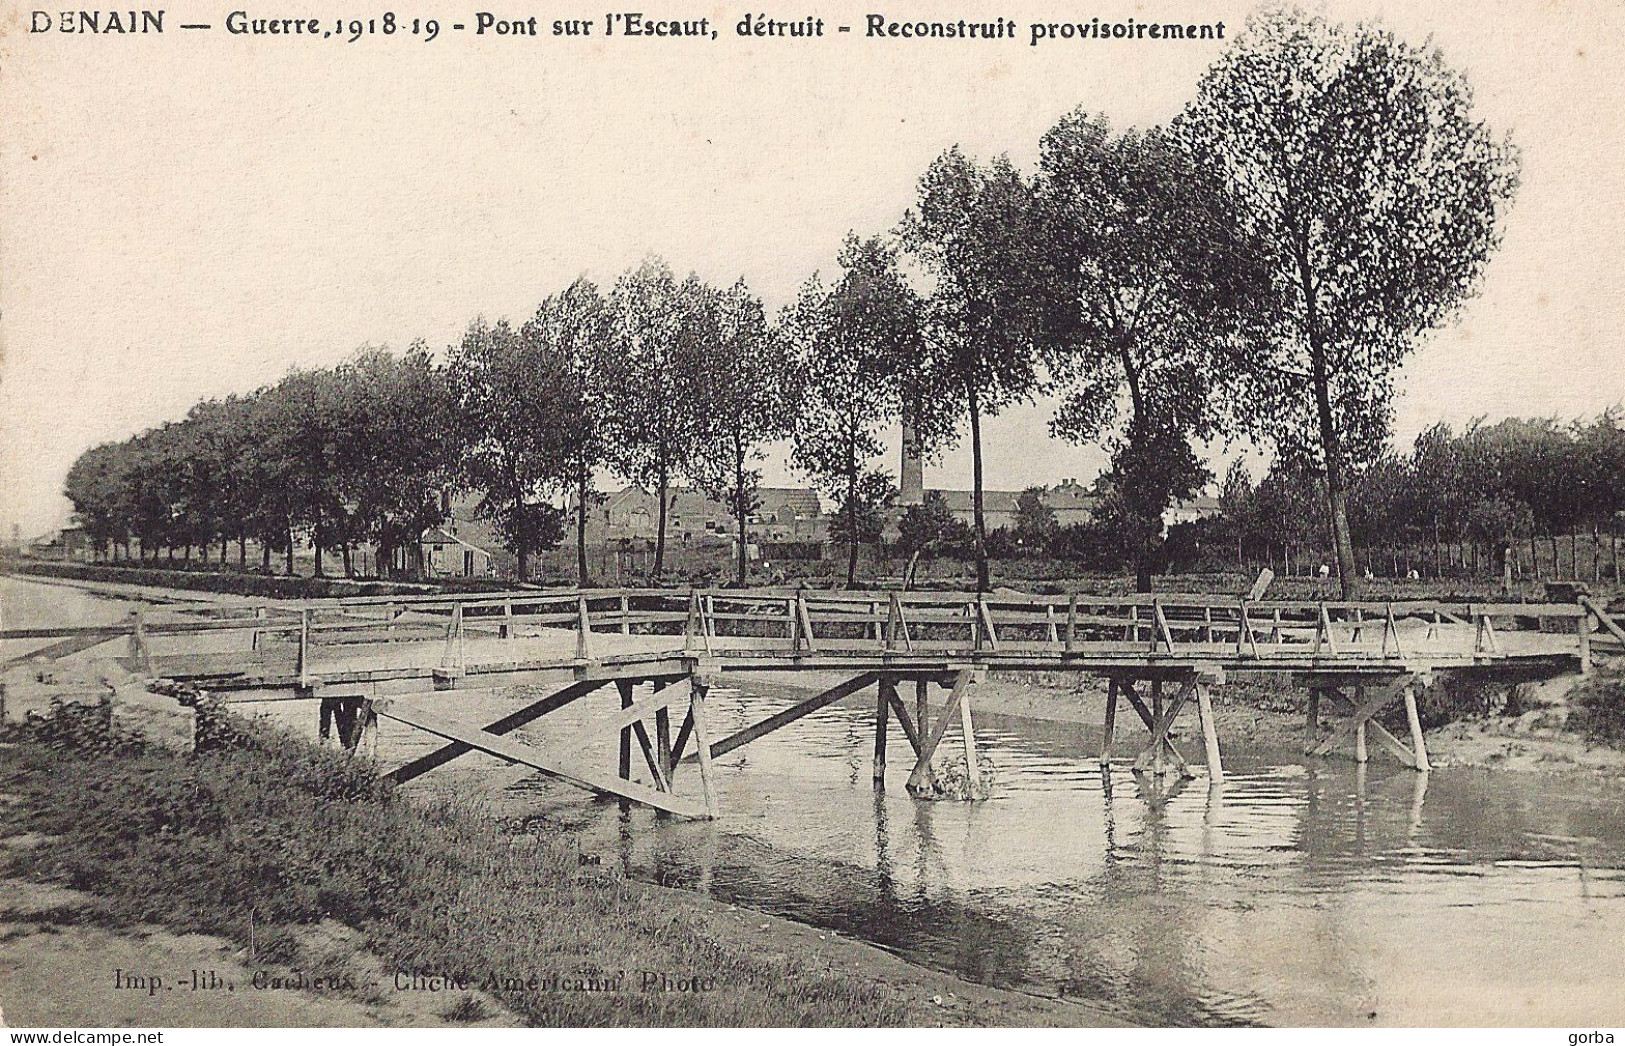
(261, 836)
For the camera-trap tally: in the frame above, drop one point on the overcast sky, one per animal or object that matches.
(190, 215)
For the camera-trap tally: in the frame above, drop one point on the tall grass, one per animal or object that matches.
(268, 832)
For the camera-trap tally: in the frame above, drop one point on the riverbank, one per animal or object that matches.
(271, 861)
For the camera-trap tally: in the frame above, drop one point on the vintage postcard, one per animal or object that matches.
(969, 514)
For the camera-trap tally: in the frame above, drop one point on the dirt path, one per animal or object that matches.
(58, 972)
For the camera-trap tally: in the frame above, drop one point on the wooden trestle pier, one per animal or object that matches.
(364, 658)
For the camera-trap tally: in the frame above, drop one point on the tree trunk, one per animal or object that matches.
(1331, 444)
(316, 545)
(660, 527)
(242, 551)
(741, 513)
(852, 530)
(984, 581)
(1142, 571)
(349, 564)
(290, 552)
(583, 483)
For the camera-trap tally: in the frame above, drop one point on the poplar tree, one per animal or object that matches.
(1376, 198)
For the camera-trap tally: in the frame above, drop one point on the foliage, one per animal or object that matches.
(517, 406)
(654, 412)
(350, 454)
(931, 529)
(1036, 525)
(751, 386)
(1598, 708)
(860, 517)
(1153, 285)
(572, 333)
(853, 344)
(1375, 199)
(980, 236)
(1151, 468)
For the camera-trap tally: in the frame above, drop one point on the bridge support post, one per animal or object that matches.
(352, 714)
(1160, 756)
(1419, 745)
(700, 687)
(922, 724)
(920, 781)
(1110, 726)
(1210, 731)
(663, 734)
(624, 761)
(886, 693)
(1365, 701)
(973, 763)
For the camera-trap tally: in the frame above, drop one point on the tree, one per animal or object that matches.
(853, 343)
(751, 388)
(930, 528)
(1151, 464)
(1152, 282)
(572, 328)
(1036, 525)
(977, 232)
(405, 444)
(1375, 198)
(652, 400)
(517, 411)
(860, 517)
(98, 487)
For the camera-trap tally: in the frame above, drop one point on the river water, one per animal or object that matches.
(1299, 893)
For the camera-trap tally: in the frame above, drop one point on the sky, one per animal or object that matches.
(190, 215)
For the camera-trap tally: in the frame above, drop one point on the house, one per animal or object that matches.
(447, 555)
(787, 514)
(998, 506)
(70, 543)
(633, 514)
(1072, 502)
(1191, 510)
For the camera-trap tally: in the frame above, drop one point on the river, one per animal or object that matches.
(1299, 893)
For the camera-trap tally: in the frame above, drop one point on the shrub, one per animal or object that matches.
(1597, 708)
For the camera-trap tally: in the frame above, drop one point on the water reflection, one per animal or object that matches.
(1292, 893)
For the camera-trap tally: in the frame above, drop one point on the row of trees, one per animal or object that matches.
(347, 455)
(1261, 267)
(657, 379)
(1496, 486)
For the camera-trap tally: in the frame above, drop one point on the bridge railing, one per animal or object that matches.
(806, 621)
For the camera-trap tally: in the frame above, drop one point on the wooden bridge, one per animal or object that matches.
(359, 659)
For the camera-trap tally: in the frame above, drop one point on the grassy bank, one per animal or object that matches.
(230, 582)
(303, 859)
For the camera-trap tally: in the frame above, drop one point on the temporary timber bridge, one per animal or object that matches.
(365, 658)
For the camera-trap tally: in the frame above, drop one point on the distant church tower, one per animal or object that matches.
(911, 482)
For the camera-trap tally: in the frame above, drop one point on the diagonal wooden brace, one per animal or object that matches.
(1160, 742)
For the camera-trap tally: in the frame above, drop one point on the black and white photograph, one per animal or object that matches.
(949, 514)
